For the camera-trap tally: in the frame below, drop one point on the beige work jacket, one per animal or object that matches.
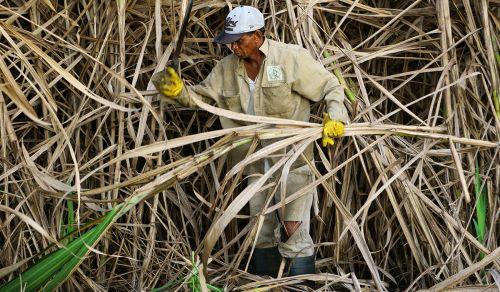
(288, 81)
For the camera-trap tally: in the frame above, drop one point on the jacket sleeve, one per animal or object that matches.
(209, 90)
(315, 83)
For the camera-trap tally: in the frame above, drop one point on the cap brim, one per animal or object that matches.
(226, 38)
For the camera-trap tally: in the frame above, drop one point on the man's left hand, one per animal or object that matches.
(331, 129)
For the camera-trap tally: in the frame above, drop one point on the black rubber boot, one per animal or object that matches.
(266, 261)
(301, 266)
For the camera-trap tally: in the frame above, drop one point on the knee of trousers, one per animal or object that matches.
(299, 208)
(266, 235)
(299, 244)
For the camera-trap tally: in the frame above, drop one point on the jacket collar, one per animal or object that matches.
(264, 48)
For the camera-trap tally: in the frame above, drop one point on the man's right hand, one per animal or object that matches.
(168, 82)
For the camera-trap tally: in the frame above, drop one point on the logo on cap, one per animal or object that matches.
(230, 24)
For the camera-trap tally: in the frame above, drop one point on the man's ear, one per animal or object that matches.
(258, 35)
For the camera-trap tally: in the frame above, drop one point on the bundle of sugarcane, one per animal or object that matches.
(106, 186)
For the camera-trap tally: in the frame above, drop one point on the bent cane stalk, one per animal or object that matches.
(55, 268)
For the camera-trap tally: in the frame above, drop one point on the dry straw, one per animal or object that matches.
(104, 185)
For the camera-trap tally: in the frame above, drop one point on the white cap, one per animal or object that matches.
(240, 20)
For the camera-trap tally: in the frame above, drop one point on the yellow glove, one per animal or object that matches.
(168, 82)
(331, 129)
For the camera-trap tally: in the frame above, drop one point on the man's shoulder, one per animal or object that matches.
(281, 46)
(229, 60)
(285, 53)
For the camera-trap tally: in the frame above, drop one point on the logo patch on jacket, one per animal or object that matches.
(275, 73)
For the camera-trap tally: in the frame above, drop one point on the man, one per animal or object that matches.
(268, 78)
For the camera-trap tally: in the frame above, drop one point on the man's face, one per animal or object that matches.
(245, 46)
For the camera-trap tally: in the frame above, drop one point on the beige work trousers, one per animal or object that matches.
(300, 244)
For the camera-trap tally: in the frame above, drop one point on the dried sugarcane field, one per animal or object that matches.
(105, 185)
